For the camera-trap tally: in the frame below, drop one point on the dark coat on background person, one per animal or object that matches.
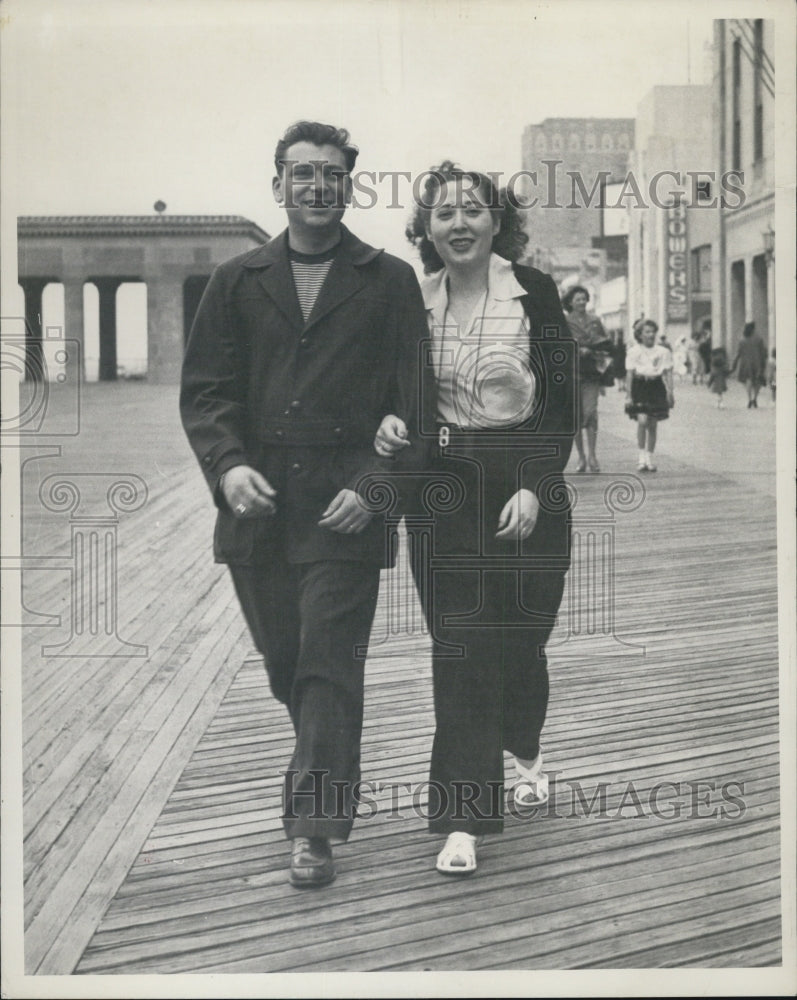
(751, 360)
(301, 401)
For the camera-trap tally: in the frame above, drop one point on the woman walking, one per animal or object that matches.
(650, 391)
(695, 359)
(751, 360)
(500, 408)
(594, 349)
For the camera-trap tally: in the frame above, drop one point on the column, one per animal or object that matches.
(748, 288)
(771, 300)
(107, 290)
(165, 327)
(74, 330)
(34, 355)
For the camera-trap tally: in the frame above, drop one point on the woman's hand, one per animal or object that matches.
(391, 436)
(519, 516)
(346, 514)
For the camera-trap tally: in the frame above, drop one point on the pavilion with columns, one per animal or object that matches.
(173, 254)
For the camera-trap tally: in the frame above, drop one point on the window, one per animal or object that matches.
(556, 145)
(590, 141)
(622, 142)
(541, 143)
(701, 268)
(575, 142)
(607, 143)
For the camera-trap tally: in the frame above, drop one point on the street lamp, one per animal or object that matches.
(769, 243)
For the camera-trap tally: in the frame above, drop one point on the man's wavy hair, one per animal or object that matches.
(510, 240)
(318, 134)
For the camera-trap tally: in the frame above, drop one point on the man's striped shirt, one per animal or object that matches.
(310, 271)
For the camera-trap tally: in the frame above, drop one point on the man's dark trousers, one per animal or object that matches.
(311, 621)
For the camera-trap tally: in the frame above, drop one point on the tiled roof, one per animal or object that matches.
(139, 225)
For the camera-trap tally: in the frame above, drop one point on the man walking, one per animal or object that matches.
(298, 349)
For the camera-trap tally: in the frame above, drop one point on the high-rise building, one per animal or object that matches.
(568, 161)
(672, 214)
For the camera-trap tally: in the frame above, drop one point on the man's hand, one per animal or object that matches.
(519, 516)
(391, 436)
(347, 514)
(248, 493)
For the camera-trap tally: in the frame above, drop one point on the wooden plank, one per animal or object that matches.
(190, 872)
(50, 937)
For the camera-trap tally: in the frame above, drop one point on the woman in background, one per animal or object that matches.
(751, 360)
(593, 348)
(695, 359)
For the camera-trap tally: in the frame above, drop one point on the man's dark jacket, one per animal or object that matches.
(301, 401)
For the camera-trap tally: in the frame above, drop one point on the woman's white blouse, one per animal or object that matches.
(483, 374)
(648, 360)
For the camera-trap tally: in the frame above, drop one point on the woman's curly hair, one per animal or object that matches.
(570, 294)
(510, 240)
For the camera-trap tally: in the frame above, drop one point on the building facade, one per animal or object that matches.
(173, 255)
(567, 162)
(743, 114)
(670, 215)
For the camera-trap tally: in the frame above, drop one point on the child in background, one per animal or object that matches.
(718, 377)
(650, 393)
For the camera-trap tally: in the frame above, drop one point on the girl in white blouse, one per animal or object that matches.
(649, 383)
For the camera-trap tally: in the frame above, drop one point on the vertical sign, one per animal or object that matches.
(676, 266)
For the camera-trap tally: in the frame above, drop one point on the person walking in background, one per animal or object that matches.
(704, 346)
(594, 353)
(650, 391)
(500, 421)
(695, 359)
(750, 364)
(680, 358)
(718, 377)
(618, 360)
(298, 350)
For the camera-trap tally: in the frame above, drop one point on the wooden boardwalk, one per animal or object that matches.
(153, 842)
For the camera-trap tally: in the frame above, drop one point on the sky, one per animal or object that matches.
(112, 105)
(119, 104)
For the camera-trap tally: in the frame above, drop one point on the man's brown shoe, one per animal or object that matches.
(312, 864)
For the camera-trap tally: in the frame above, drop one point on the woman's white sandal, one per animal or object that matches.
(531, 787)
(458, 856)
